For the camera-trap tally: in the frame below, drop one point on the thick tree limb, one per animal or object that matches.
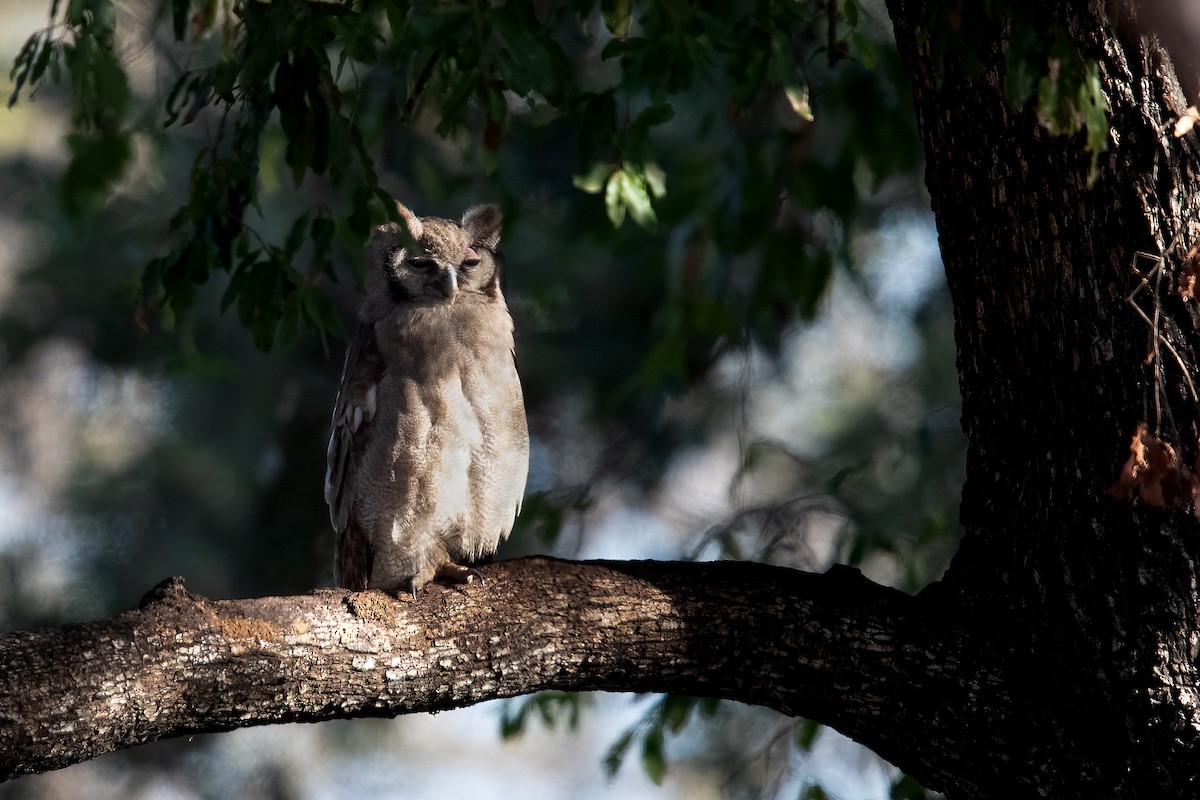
(834, 647)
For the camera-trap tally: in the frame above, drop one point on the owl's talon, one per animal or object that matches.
(458, 573)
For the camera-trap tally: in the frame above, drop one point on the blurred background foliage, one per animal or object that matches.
(732, 330)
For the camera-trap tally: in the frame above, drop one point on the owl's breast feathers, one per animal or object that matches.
(429, 450)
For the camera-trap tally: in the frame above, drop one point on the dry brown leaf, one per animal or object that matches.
(1135, 466)
(1189, 274)
(1155, 472)
(1187, 121)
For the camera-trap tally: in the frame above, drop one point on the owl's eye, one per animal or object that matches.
(423, 264)
(471, 259)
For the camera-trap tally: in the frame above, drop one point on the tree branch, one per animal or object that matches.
(834, 647)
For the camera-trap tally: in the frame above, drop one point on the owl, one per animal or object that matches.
(429, 448)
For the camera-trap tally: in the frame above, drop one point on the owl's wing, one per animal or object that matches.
(353, 412)
(521, 496)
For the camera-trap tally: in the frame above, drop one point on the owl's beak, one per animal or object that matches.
(449, 284)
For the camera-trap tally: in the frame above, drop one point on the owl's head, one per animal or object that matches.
(430, 259)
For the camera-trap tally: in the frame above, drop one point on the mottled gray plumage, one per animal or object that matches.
(429, 449)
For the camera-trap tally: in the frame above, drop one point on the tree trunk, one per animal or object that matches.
(1092, 598)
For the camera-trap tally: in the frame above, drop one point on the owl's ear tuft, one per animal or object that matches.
(411, 221)
(483, 223)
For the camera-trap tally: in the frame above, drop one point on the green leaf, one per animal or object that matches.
(907, 788)
(321, 316)
(1095, 115)
(530, 60)
(1024, 64)
(634, 196)
(656, 180)
(616, 753)
(1071, 98)
(224, 78)
(294, 118)
(614, 198)
(49, 51)
(556, 707)
(797, 97)
(675, 710)
(97, 159)
(850, 12)
(656, 114)
(360, 37)
(183, 272)
(552, 707)
(295, 237)
(23, 64)
(594, 180)
(460, 85)
(237, 280)
(805, 732)
(865, 50)
(617, 15)
(189, 84)
(99, 85)
(512, 723)
(654, 760)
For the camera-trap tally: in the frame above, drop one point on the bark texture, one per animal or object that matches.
(834, 647)
(1093, 599)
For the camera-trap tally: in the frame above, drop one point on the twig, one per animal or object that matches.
(1157, 336)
